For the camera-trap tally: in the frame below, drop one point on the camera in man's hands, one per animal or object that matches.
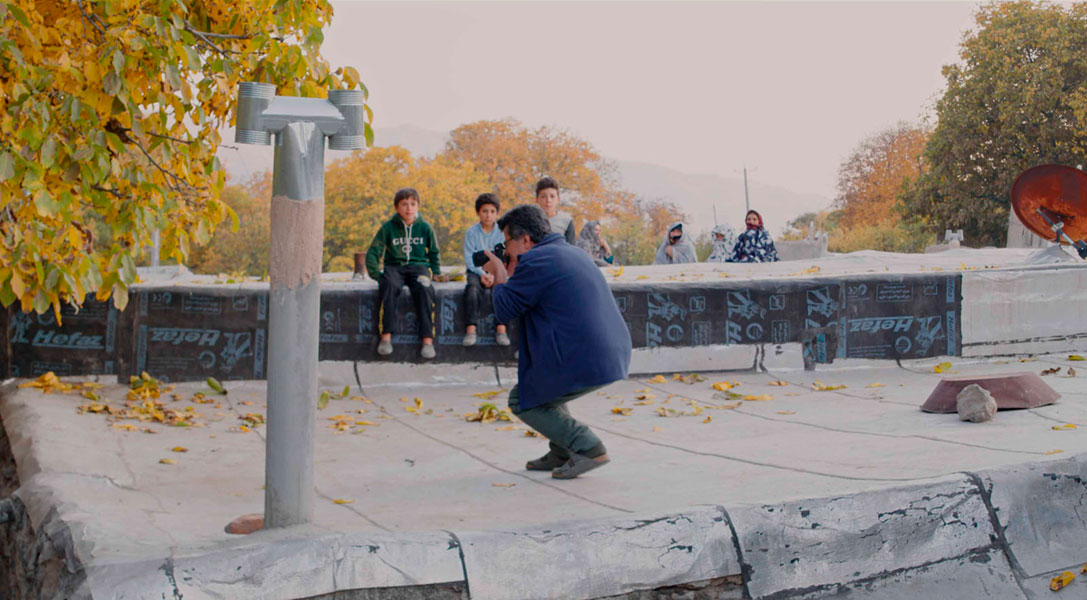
(480, 258)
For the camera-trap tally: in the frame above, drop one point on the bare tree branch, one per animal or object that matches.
(91, 18)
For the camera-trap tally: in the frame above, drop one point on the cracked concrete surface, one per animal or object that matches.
(811, 494)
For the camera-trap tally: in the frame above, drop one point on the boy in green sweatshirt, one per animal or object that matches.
(410, 255)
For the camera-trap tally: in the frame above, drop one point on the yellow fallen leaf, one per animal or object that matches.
(1083, 570)
(1054, 452)
(642, 391)
(655, 428)
(168, 461)
(503, 485)
(487, 395)
(940, 368)
(125, 427)
(643, 403)
(1060, 581)
(819, 386)
(619, 410)
(640, 277)
(644, 397)
(343, 501)
(874, 385)
(1065, 426)
(707, 419)
(368, 423)
(721, 386)
(1075, 357)
(179, 449)
(412, 409)
(730, 406)
(786, 412)
(760, 398)
(657, 379)
(779, 383)
(617, 272)
(506, 428)
(418, 403)
(531, 433)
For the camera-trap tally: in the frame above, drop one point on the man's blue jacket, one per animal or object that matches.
(572, 335)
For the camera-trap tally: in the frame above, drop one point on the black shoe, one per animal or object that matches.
(547, 462)
(579, 464)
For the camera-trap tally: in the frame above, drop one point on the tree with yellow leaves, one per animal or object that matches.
(106, 140)
(513, 157)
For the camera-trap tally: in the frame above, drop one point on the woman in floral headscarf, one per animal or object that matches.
(754, 245)
(724, 239)
(591, 242)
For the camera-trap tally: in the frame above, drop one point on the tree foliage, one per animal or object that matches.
(513, 157)
(876, 173)
(871, 182)
(106, 139)
(245, 249)
(1017, 99)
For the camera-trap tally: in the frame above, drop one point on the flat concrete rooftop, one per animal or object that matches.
(403, 468)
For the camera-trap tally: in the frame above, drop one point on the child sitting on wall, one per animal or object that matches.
(481, 236)
(410, 253)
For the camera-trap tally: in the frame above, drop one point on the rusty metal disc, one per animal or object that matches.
(1058, 190)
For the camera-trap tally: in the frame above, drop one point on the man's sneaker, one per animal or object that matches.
(578, 465)
(385, 348)
(428, 351)
(469, 339)
(502, 339)
(547, 462)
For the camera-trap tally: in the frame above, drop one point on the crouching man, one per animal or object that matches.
(573, 339)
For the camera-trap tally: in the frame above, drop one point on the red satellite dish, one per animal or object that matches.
(1052, 195)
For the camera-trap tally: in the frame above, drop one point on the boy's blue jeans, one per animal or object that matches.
(392, 279)
(554, 422)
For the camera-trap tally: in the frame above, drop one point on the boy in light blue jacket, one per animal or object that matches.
(481, 236)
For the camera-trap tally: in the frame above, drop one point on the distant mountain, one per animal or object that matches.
(695, 194)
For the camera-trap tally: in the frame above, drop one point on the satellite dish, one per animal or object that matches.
(1051, 201)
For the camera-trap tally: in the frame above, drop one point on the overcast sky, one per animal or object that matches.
(787, 88)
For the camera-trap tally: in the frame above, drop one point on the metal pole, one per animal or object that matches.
(300, 126)
(297, 231)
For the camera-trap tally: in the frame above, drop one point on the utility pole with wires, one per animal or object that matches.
(747, 199)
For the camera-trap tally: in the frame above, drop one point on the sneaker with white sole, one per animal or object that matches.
(385, 348)
(502, 339)
(469, 339)
(428, 351)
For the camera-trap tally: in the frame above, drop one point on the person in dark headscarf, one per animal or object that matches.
(591, 242)
(724, 239)
(676, 247)
(754, 245)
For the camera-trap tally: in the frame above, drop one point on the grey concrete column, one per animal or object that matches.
(297, 232)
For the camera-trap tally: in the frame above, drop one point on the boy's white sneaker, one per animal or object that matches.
(469, 339)
(502, 339)
(428, 351)
(385, 348)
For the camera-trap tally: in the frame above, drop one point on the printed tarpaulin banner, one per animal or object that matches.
(192, 332)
